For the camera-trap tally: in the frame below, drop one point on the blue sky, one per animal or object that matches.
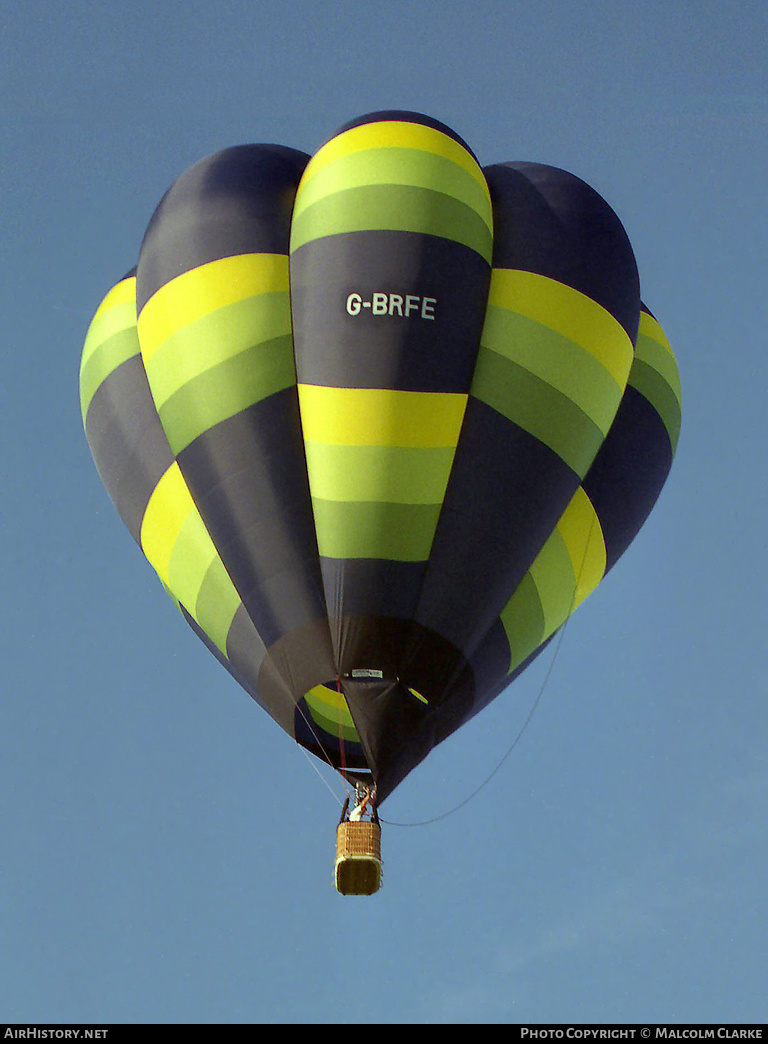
(166, 850)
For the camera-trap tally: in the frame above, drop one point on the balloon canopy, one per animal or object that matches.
(380, 419)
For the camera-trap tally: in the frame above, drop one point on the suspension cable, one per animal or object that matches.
(536, 702)
(497, 767)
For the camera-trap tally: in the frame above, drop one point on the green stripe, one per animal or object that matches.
(552, 572)
(523, 621)
(656, 355)
(557, 360)
(538, 408)
(215, 337)
(226, 390)
(655, 388)
(117, 349)
(216, 605)
(108, 323)
(395, 474)
(321, 715)
(399, 208)
(396, 166)
(190, 559)
(353, 529)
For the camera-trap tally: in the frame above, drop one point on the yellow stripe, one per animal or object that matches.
(649, 327)
(168, 507)
(189, 561)
(332, 707)
(120, 293)
(123, 293)
(380, 417)
(323, 695)
(554, 582)
(582, 535)
(175, 540)
(654, 349)
(569, 312)
(572, 557)
(204, 289)
(398, 167)
(398, 133)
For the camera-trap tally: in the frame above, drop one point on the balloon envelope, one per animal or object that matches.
(380, 420)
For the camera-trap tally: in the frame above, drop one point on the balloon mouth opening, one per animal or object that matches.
(324, 725)
(330, 710)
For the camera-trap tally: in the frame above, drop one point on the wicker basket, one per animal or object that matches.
(357, 870)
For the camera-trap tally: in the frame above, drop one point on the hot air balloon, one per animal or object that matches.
(380, 419)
